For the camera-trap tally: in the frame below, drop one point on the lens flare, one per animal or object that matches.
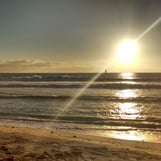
(155, 23)
(106, 67)
(77, 96)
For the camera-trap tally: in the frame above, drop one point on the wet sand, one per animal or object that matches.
(28, 144)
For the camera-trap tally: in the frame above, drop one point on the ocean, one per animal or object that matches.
(117, 105)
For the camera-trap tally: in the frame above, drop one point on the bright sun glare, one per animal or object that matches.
(127, 51)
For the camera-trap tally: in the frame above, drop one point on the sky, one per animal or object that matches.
(77, 35)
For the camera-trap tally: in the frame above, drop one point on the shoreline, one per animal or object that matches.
(20, 143)
(80, 129)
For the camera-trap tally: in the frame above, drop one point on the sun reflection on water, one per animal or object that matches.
(127, 75)
(128, 110)
(127, 93)
(129, 135)
(134, 135)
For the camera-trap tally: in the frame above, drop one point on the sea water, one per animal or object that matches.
(118, 105)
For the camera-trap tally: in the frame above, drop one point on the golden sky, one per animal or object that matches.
(77, 36)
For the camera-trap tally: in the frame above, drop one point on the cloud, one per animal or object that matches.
(43, 66)
(25, 65)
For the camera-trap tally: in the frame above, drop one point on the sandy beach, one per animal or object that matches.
(28, 144)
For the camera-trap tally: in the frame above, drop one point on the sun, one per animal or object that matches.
(127, 51)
